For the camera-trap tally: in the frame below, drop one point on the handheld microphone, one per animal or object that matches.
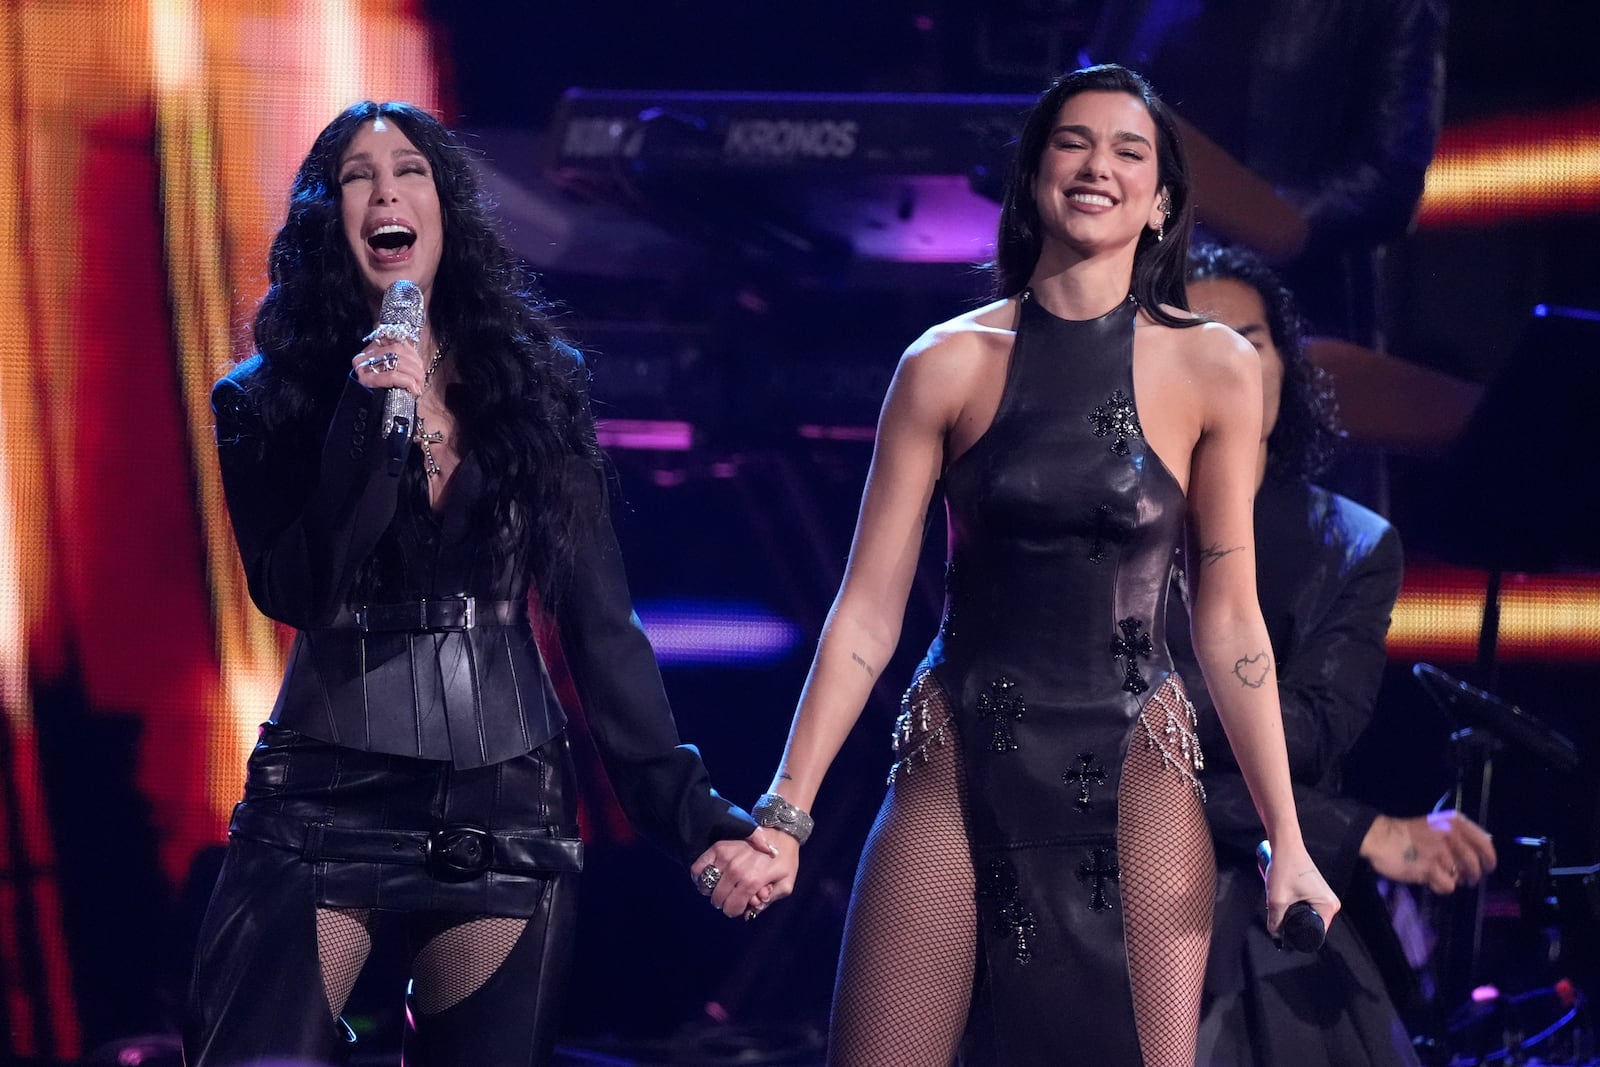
(400, 314)
(1302, 928)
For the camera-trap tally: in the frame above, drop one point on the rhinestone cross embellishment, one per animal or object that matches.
(1099, 869)
(1087, 775)
(1002, 707)
(1011, 915)
(1117, 418)
(1133, 643)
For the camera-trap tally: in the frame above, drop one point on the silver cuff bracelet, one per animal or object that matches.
(775, 812)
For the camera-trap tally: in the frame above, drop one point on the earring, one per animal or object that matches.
(1166, 211)
(1161, 228)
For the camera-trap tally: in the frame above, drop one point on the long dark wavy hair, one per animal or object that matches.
(1307, 432)
(1157, 265)
(521, 396)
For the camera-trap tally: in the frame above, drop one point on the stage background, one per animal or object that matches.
(145, 151)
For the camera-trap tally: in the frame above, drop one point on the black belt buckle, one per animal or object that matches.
(458, 853)
(447, 613)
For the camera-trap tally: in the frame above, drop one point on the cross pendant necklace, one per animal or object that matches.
(421, 435)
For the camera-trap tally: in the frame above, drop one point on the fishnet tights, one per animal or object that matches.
(1168, 879)
(906, 970)
(344, 938)
(456, 958)
(910, 940)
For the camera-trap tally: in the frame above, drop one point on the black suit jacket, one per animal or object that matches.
(326, 530)
(1328, 574)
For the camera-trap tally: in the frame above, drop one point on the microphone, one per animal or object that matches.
(1302, 928)
(399, 316)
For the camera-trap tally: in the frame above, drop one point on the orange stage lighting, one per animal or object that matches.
(1545, 618)
(1516, 167)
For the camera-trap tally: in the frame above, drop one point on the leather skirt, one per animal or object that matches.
(396, 833)
(326, 826)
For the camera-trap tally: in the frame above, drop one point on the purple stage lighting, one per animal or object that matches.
(704, 632)
(647, 435)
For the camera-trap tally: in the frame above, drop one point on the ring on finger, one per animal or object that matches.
(751, 912)
(381, 364)
(709, 877)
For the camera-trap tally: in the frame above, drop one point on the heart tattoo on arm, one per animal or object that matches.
(1253, 670)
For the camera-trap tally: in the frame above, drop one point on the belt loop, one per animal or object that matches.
(422, 614)
(311, 850)
(471, 611)
(363, 617)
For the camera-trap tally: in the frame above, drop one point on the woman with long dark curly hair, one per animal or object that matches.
(1328, 571)
(1304, 428)
(1038, 884)
(416, 761)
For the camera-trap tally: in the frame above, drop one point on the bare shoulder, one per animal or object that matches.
(1219, 350)
(970, 335)
(949, 356)
(1212, 352)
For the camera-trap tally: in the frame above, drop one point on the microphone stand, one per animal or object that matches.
(1472, 753)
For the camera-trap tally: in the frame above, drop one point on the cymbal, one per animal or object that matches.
(1483, 710)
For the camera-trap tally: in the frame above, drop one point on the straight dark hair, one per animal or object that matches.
(1158, 265)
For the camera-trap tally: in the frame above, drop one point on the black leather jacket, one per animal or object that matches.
(339, 547)
(1337, 103)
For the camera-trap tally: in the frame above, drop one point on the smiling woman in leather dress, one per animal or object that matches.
(416, 760)
(1038, 885)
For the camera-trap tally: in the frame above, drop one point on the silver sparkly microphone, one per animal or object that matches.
(399, 317)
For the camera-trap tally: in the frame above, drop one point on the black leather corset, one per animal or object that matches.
(433, 655)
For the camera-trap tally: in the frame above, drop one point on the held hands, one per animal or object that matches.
(390, 363)
(739, 876)
(785, 868)
(1291, 876)
(742, 878)
(1442, 850)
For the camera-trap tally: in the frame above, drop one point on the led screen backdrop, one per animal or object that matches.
(145, 152)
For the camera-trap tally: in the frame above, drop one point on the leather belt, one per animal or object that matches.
(431, 615)
(454, 853)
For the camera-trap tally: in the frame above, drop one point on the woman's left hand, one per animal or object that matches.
(1291, 876)
(743, 876)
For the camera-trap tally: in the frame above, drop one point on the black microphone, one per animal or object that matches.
(401, 312)
(1302, 928)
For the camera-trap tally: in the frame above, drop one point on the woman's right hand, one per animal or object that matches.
(374, 369)
(746, 872)
(781, 874)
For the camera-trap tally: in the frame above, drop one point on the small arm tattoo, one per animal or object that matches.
(1212, 553)
(864, 665)
(1411, 854)
(1253, 670)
